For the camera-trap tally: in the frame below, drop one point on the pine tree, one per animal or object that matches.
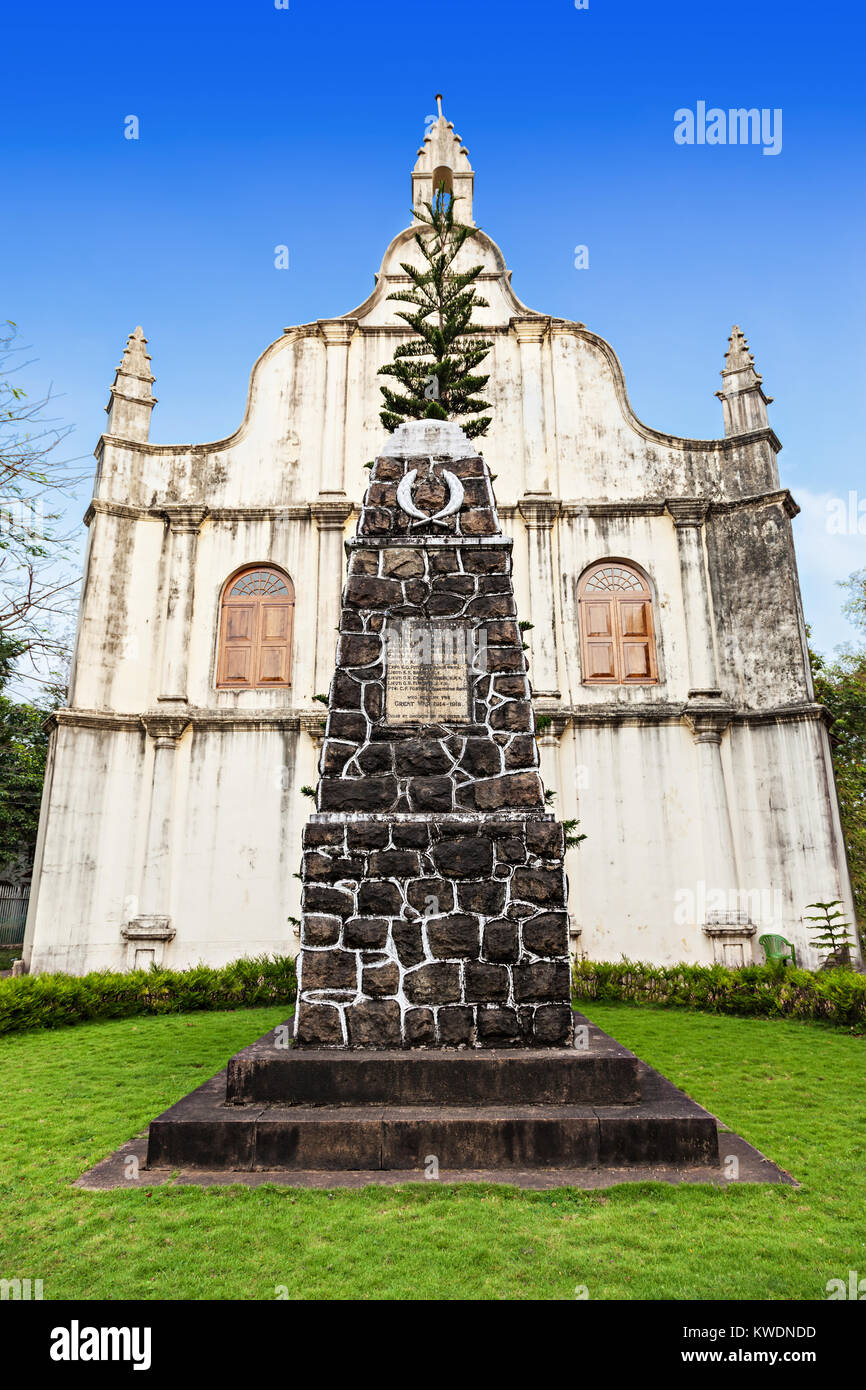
(436, 369)
(831, 933)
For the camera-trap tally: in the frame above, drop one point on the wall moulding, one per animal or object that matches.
(203, 719)
(146, 938)
(183, 517)
(636, 506)
(166, 728)
(530, 328)
(687, 511)
(664, 712)
(161, 510)
(539, 512)
(332, 513)
(657, 712)
(151, 927)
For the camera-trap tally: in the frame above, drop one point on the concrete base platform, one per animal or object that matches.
(751, 1167)
(602, 1072)
(483, 1126)
(201, 1130)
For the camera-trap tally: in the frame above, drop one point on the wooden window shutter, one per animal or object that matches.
(600, 640)
(238, 637)
(636, 626)
(256, 627)
(617, 642)
(275, 639)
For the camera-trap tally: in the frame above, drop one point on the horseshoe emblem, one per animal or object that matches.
(454, 503)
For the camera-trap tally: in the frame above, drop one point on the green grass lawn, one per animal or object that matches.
(72, 1096)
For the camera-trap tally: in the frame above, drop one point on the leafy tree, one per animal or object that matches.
(23, 748)
(855, 604)
(841, 686)
(437, 368)
(37, 587)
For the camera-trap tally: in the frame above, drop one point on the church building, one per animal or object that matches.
(667, 650)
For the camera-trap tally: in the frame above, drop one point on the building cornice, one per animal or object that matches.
(94, 719)
(689, 508)
(535, 510)
(563, 716)
(161, 725)
(628, 506)
(671, 712)
(780, 497)
(161, 511)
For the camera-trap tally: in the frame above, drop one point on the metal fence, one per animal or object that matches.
(14, 898)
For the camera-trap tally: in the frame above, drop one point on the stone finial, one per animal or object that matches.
(738, 354)
(132, 398)
(743, 400)
(135, 360)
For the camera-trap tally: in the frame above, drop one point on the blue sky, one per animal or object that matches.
(261, 126)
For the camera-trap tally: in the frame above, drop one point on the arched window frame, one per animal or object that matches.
(442, 174)
(615, 624)
(263, 626)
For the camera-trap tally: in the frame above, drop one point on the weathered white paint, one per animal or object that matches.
(170, 801)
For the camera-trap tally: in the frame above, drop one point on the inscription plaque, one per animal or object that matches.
(428, 674)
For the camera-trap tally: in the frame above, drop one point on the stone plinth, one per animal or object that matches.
(430, 931)
(280, 1109)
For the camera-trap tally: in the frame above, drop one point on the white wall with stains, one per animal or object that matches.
(175, 808)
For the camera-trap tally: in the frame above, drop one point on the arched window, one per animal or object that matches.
(617, 644)
(443, 176)
(256, 621)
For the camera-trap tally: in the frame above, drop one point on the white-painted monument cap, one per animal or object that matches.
(441, 438)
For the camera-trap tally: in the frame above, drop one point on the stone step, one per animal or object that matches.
(602, 1073)
(202, 1131)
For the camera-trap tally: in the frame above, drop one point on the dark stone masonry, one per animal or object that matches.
(434, 902)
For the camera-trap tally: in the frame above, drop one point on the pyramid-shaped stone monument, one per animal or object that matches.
(434, 907)
(433, 1017)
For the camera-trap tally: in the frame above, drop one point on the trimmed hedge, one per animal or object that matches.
(50, 1001)
(764, 991)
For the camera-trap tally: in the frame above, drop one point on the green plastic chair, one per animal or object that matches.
(777, 948)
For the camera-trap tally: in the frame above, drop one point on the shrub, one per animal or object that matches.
(837, 997)
(50, 1001)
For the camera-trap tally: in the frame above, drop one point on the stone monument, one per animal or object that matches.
(433, 1018)
(434, 905)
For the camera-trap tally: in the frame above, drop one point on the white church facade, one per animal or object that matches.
(667, 650)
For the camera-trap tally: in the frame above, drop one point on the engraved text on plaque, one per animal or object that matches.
(428, 678)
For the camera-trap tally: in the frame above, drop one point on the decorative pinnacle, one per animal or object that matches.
(132, 398)
(739, 376)
(738, 354)
(439, 104)
(136, 360)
